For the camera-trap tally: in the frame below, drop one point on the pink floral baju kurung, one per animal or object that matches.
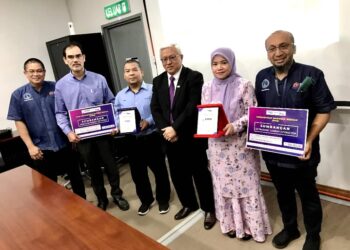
(235, 169)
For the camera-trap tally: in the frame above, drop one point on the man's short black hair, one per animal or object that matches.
(72, 44)
(133, 60)
(33, 60)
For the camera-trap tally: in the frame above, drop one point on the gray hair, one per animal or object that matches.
(175, 46)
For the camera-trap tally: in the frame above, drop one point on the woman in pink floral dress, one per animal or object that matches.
(239, 201)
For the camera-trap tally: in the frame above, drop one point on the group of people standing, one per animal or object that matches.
(228, 188)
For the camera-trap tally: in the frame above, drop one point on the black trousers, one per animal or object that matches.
(98, 152)
(301, 179)
(61, 162)
(143, 152)
(188, 164)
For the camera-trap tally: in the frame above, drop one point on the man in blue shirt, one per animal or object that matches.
(32, 108)
(288, 84)
(144, 149)
(81, 89)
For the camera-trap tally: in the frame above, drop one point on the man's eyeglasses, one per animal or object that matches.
(32, 71)
(282, 47)
(170, 58)
(77, 56)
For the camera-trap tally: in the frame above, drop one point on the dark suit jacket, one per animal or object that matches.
(184, 110)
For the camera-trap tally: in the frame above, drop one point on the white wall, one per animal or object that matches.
(26, 26)
(320, 28)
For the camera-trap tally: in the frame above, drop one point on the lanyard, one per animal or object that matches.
(283, 90)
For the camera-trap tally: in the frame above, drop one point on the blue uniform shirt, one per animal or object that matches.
(37, 111)
(287, 93)
(141, 100)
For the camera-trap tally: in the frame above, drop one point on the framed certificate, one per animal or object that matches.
(277, 130)
(211, 121)
(93, 121)
(129, 120)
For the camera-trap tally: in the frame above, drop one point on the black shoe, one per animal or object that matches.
(102, 203)
(246, 237)
(209, 220)
(144, 209)
(312, 243)
(283, 238)
(231, 234)
(164, 208)
(184, 212)
(121, 203)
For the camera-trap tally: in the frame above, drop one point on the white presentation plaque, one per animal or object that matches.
(208, 121)
(127, 121)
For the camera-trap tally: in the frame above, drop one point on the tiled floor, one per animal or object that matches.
(190, 234)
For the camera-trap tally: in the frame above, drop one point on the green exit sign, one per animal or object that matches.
(117, 9)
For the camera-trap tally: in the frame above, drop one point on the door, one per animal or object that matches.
(124, 39)
(55, 49)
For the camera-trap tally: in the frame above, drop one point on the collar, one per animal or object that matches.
(176, 75)
(43, 86)
(143, 86)
(291, 69)
(72, 76)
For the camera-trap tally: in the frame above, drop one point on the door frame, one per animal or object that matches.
(109, 50)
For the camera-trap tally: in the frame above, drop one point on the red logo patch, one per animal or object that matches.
(296, 85)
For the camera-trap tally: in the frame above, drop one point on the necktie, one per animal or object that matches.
(171, 90)
(171, 95)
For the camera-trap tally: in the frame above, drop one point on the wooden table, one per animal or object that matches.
(37, 213)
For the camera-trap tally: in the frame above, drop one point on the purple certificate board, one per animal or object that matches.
(93, 121)
(277, 130)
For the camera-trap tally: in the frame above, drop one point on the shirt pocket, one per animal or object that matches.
(146, 105)
(93, 95)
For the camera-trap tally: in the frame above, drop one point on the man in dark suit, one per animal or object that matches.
(176, 93)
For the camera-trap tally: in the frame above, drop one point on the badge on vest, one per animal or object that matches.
(27, 97)
(265, 84)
